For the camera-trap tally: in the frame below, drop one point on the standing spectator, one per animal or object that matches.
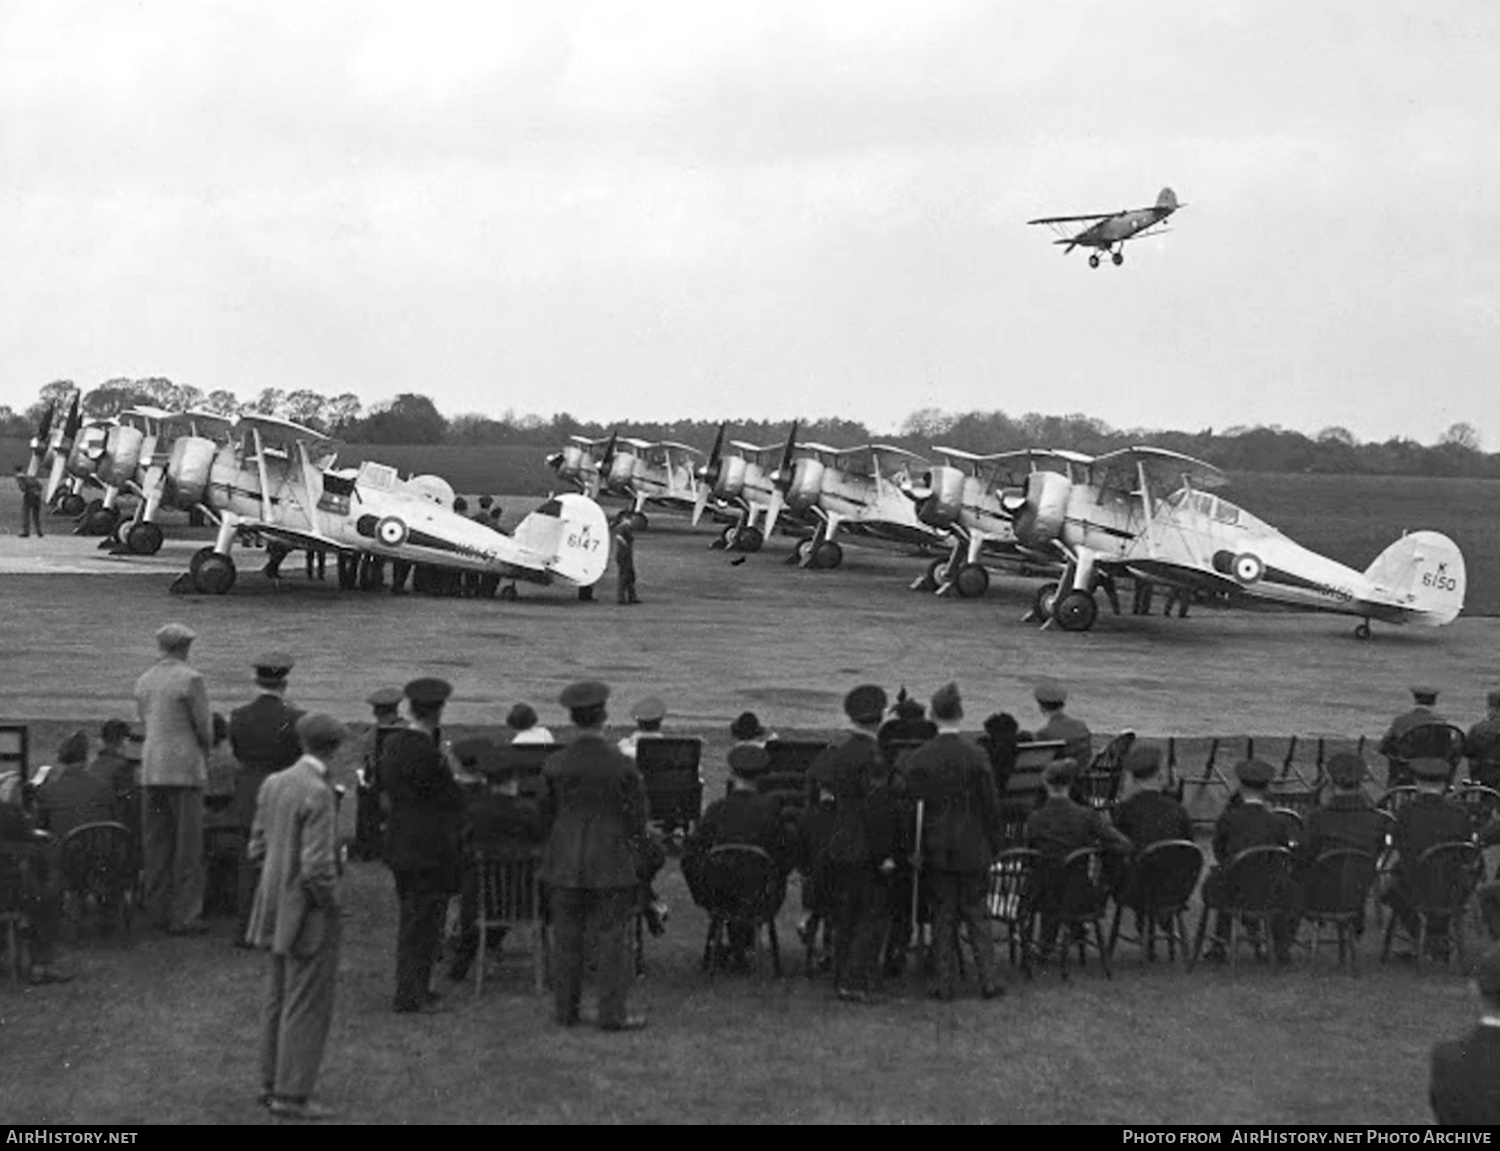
(369, 818)
(296, 915)
(1465, 1072)
(1482, 744)
(31, 501)
(747, 729)
(423, 820)
(523, 721)
(70, 796)
(172, 699)
(595, 812)
(1078, 741)
(625, 561)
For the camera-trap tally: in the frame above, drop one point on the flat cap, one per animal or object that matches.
(385, 697)
(74, 749)
(1060, 772)
(866, 703)
(589, 693)
(1050, 691)
(1254, 773)
(274, 664)
(429, 690)
(320, 729)
(1143, 760)
(175, 635)
(747, 760)
(1487, 974)
(1431, 768)
(1346, 769)
(1424, 693)
(650, 708)
(747, 725)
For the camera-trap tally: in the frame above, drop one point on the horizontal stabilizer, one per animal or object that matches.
(1424, 573)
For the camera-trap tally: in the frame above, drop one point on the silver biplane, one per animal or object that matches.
(743, 480)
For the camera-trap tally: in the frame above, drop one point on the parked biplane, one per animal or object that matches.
(578, 463)
(1150, 513)
(640, 471)
(1108, 231)
(742, 479)
(275, 480)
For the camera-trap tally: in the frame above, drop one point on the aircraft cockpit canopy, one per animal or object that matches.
(1217, 509)
(376, 477)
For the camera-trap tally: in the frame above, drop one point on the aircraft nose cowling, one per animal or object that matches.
(727, 477)
(1040, 520)
(621, 468)
(188, 469)
(122, 455)
(806, 486)
(941, 507)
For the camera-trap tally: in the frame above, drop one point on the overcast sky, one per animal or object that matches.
(761, 209)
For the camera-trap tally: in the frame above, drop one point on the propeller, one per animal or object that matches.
(781, 478)
(64, 445)
(708, 476)
(608, 458)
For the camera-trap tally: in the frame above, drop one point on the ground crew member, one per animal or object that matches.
(31, 501)
(625, 562)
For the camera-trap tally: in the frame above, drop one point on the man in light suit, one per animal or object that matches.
(296, 915)
(172, 699)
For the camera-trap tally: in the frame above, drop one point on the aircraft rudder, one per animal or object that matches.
(1427, 569)
(577, 531)
(1166, 198)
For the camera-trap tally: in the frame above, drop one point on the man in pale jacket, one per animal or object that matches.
(173, 702)
(296, 914)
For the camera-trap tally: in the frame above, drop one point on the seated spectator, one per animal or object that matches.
(1465, 1071)
(1002, 733)
(113, 764)
(1078, 742)
(1482, 745)
(1347, 818)
(1428, 819)
(1146, 814)
(522, 720)
(747, 729)
(67, 795)
(649, 714)
(744, 816)
(1246, 822)
(41, 895)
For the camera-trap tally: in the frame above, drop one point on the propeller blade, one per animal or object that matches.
(718, 448)
(44, 429)
(608, 457)
(55, 477)
(700, 501)
(773, 512)
(782, 476)
(74, 420)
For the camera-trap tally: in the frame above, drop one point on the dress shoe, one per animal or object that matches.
(629, 1023)
(304, 1110)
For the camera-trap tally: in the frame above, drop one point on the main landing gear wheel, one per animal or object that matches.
(508, 593)
(725, 542)
(197, 561)
(1094, 260)
(101, 521)
(827, 555)
(143, 539)
(973, 581)
(71, 504)
(937, 574)
(748, 540)
(215, 575)
(1046, 597)
(1118, 258)
(1075, 611)
(1362, 630)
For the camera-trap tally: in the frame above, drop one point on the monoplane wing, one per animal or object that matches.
(1073, 219)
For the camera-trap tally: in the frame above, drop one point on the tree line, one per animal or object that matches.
(411, 418)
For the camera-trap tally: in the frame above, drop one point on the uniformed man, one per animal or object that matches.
(1482, 744)
(951, 779)
(744, 816)
(908, 724)
(1078, 742)
(31, 502)
(1146, 813)
(595, 812)
(263, 737)
(369, 816)
(1398, 771)
(625, 562)
(1428, 819)
(1346, 820)
(424, 812)
(864, 841)
(1245, 823)
(649, 714)
(1465, 1071)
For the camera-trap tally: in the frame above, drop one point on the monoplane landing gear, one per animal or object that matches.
(509, 593)
(1094, 260)
(1118, 258)
(1362, 629)
(1075, 611)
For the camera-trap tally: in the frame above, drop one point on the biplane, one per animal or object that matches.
(1108, 231)
(1152, 514)
(643, 472)
(276, 480)
(578, 463)
(743, 480)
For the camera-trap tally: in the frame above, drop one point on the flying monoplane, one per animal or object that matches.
(1108, 231)
(1151, 514)
(275, 480)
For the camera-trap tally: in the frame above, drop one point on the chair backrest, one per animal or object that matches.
(1012, 884)
(224, 842)
(674, 787)
(1393, 799)
(1431, 741)
(1289, 821)
(1166, 874)
(742, 881)
(472, 751)
(793, 756)
(1443, 877)
(1031, 758)
(15, 745)
(1481, 802)
(1112, 757)
(508, 888)
(1339, 882)
(1075, 884)
(1258, 878)
(1300, 800)
(1097, 789)
(98, 857)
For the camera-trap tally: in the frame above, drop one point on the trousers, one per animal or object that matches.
(31, 516)
(418, 934)
(859, 924)
(588, 919)
(295, 1017)
(958, 899)
(172, 847)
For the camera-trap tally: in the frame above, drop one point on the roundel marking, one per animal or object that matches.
(1248, 568)
(391, 532)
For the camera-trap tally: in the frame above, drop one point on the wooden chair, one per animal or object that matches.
(674, 785)
(14, 864)
(739, 883)
(1481, 802)
(1437, 886)
(1256, 885)
(1010, 900)
(510, 896)
(1098, 784)
(1157, 888)
(98, 865)
(1425, 741)
(1069, 897)
(1394, 798)
(1289, 820)
(1334, 892)
(786, 778)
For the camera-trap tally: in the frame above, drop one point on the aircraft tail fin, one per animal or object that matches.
(1167, 199)
(574, 532)
(1425, 572)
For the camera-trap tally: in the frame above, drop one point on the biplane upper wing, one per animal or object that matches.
(283, 429)
(1162, 463)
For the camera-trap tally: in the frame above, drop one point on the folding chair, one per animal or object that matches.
(1069, 897)
(1256, 884)
(740, 883)
(510, 896)
(1010, 900)
(1334, 892)
(98, 864)
(1438, 885)
(1157, 889)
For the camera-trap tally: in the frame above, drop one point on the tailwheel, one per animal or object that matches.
(145, 539)
(1094, 260)
(509, 593)
(1075, 611)
(827, 555)
(749, 540)
(973, 581)
(1362, 630)
(215, 574)
(1118, 258)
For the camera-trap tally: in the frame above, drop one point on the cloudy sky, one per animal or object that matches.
(770, 209)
